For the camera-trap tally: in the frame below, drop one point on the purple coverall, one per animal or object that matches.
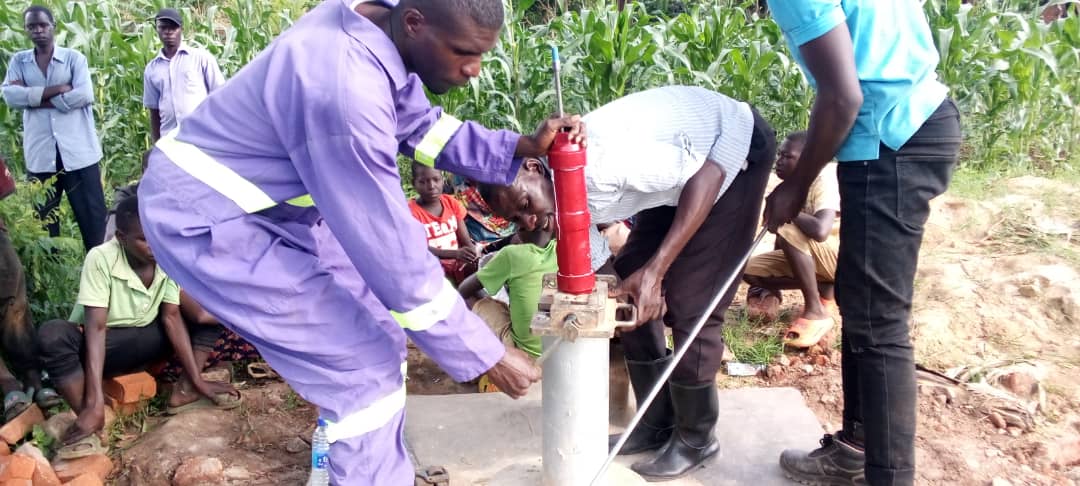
(327, 295)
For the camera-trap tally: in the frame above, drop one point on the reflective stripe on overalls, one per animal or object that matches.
(251, 199)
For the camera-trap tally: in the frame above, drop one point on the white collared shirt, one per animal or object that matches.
(644, 147)
(175, 87)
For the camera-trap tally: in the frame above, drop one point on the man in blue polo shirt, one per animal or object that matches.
(881, 111)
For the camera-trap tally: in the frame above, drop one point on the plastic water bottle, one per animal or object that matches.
(320, 456)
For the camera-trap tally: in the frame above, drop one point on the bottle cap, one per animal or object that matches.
(321, 422)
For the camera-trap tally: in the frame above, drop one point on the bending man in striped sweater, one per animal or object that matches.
(691, 165)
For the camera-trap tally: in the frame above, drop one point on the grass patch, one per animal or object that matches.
(292, 401)
(752, 342)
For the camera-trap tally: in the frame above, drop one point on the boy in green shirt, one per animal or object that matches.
(129, 313)
(521, 268)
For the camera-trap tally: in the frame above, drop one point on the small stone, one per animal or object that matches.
(828, 399)
(1028, 290)
(1019, 383)
(237, 473)
(57, 424)
(1000, 482)
(199, 471)
(219, 375)
(997, 420)
(1001, 432)
(1015, 431)
(815, 350)
(808, 368)
(296, 445)
(795, 362)
(783, 360)
(821, 360)
(992, 453)
(941, 398)
(774, 372)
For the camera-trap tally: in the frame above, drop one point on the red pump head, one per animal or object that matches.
(567, 160)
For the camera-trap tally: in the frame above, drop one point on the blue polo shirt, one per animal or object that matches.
(895, 59)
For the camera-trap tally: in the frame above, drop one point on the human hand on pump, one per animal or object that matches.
(645, 290)
(514, 373)
(537, 144)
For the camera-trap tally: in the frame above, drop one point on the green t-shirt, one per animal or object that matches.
(521, 269)
(108, 281)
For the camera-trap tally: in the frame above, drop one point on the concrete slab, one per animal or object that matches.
(491, 440)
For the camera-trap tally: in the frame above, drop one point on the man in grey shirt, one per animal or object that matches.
(179, 78)
(51, 85)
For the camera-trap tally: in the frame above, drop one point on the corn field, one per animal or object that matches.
(1013, 76)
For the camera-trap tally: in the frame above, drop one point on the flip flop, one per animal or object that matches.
(46, 398)
(228, 402)
(15, 403)
(86, 446)
(260, 370)
(804, 332)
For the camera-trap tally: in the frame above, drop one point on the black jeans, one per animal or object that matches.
(700, 268)
(884, 204)
(127, 349)
(87, 198)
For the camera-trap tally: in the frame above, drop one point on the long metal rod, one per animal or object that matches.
(679, 353)
(547, 352)
(558, 83)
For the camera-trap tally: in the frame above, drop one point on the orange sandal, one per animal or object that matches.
(804, 332)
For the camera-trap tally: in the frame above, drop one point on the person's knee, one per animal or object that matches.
(55, 335)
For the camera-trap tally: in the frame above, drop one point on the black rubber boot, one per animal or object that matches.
(835, 463)
(694, 441)
(656, 425)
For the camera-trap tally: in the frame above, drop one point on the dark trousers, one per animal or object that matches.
(885, 203)
(127, 349)
(701, 267)
(86, 196)
(17, 338)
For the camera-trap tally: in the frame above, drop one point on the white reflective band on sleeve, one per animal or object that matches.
(431, 312)
(212, 173)
(374, 416)
(436, 139)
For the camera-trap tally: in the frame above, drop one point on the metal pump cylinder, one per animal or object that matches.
(567, 160)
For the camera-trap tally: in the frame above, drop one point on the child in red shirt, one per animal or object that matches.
(443, 218)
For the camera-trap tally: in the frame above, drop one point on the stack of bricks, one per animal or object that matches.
(23, 470)
(124, 393)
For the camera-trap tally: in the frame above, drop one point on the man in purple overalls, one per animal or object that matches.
(329, 294)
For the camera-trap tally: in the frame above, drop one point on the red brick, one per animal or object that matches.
(121, 409)
(18, 482)
(43, 474)
(131, 388)
(13, 431)
(98, 465)
(5, 450)
(18, 467)
(85, 480)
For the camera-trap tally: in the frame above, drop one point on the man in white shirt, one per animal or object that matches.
(179, 78)
(691, 166)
